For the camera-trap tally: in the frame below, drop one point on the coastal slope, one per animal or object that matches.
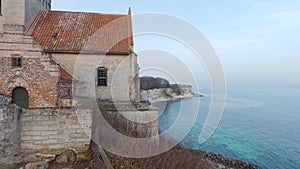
(159, 89)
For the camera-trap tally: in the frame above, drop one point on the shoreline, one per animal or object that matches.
(179, 157)
(173, 98)
(222, 162)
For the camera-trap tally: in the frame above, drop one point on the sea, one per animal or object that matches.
(259, 125)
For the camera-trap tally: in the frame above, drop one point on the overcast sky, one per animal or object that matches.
(257, 41)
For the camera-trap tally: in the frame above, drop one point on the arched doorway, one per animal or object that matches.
(20, 97)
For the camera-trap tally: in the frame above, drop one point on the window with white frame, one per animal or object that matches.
(102, 76)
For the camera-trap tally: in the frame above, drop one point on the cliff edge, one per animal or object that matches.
(159, 89)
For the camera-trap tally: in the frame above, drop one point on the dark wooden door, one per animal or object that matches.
(20, 97)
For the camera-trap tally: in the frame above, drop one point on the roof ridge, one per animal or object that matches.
(86, 12)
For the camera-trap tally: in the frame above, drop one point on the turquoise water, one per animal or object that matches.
(259, 126)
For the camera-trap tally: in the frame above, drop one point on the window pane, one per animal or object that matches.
(16, 62)
(102, 76)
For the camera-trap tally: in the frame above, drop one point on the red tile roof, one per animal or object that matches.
(61, 31)
(64, 75)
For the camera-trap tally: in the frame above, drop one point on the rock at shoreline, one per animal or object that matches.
(67, 157)
(38, 157)
(221, 162)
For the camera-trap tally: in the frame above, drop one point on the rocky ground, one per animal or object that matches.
(69, 159)
(176, 158)
(180, 158)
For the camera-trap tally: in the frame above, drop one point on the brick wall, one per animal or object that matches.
(33, 76)
(51, 129)
(40, 85)
(37, 75)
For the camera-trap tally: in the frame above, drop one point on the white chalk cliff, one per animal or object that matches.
(166, 94)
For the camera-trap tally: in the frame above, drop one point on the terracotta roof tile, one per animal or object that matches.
(61, 31)
(65, 75)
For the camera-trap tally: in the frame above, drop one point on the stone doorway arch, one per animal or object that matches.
(20, 97)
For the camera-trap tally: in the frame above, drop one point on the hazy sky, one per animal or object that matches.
(257, 41)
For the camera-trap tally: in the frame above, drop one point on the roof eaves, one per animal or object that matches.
(88, 52)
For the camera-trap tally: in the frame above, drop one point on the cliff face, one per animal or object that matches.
(159, 89)
(149, 83)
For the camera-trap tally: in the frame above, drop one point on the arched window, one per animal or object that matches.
(102, 76)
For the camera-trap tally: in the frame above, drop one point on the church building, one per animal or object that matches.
(40, 48)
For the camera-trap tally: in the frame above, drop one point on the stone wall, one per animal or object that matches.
(21, 12)
(9, 133)
(12, 12)
(54, 129)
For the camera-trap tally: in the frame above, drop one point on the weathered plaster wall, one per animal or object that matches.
(121, 82)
